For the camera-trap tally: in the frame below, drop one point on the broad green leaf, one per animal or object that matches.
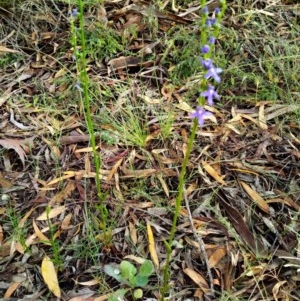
(146, 268)
(141, 280)
(128, 271)
(113, 270)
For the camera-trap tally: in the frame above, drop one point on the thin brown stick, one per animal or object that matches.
(201, 244)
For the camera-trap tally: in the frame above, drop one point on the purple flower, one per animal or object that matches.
(208, 22)
(200, 114)
(207, 63)
(205, 10)
(210, 94)
(212, 40)
(213, 21)
(217, 10)
(74, 12)
(213, 72)
(205, 49)
(77, 86)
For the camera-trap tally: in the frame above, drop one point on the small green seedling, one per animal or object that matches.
(127, 274)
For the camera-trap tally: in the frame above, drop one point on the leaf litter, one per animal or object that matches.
(243, 181)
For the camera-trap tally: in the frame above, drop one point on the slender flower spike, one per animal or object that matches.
(200, 114)
(205, 49)
(214, 73)
(210, 94)
(207, 63)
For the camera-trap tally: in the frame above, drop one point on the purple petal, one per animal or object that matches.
(207, 64)
(212, 40)
(205, 49)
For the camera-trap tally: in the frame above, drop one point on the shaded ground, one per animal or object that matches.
(243, 177)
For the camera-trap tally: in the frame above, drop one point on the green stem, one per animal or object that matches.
(179, 198)
(84, 80)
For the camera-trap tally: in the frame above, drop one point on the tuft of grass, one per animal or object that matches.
(102, 41)
(182, 54)
(128, 125)
(260, 62)
(17, 231)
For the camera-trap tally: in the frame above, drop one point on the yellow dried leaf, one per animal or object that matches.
(67, 175)
(66, 222)
(39, 234)
(114, 169)
(1, 235)
(139, 260)
(90, 282)
(142, 173)
(184, 106)
(152, 249)
(50, 276)
(133, 233)
(276, 289)
(53, 212)
(62, 195)
(163, 184)
(25, 218)
(11, 289)
(212, 172)
(261, 117)
(60, 73)
(7, 50)
(197, 278)
(256, 198)
(19, 247)
(216, 256)
(231, 127)
(85, 150)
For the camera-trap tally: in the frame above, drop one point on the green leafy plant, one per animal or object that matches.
(102, 42)
(127, 274)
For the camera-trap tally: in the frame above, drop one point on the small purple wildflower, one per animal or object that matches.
(77, 86)
(205, 49)
(200, 114)
(213, 21)
(205, 10)
(212, 40)
(208, 22)
(217, 10)
(74, 12)
(210, 94)
(213, 72)
(207, 63)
